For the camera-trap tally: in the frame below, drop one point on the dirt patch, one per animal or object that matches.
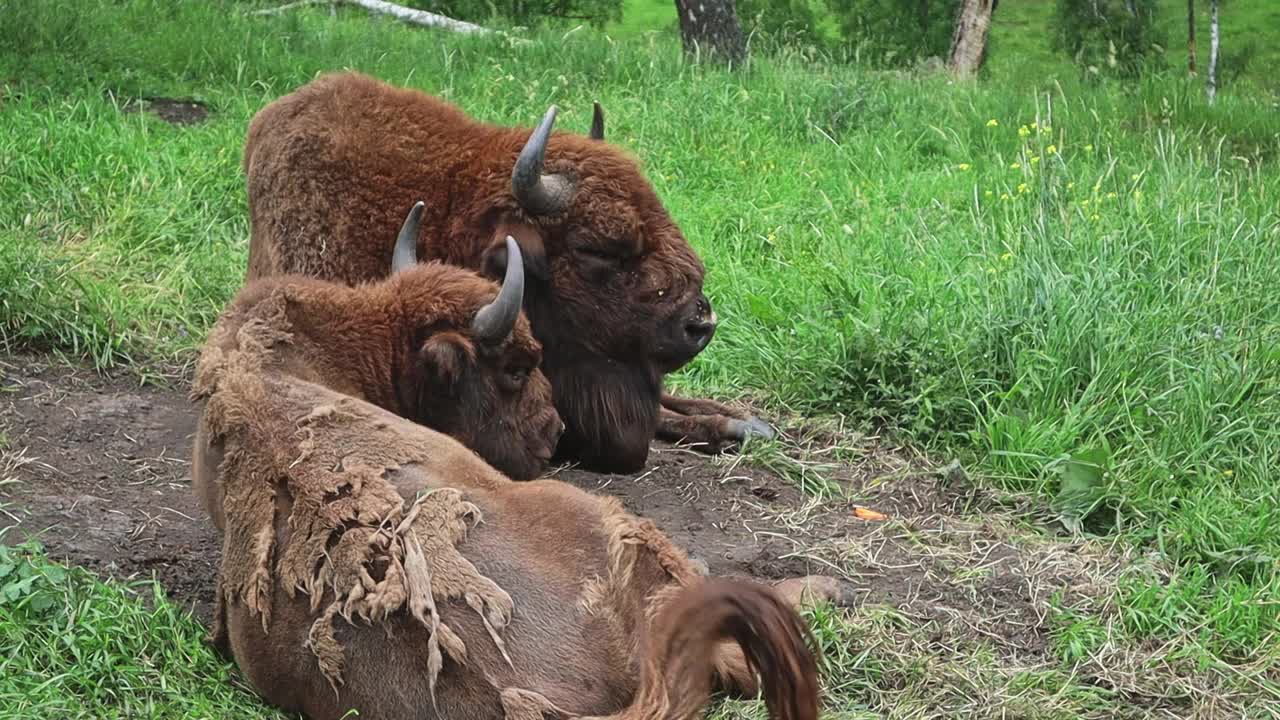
(104, 480)
(171, 110)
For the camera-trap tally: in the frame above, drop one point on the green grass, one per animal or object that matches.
(871, 246)
(75, 647)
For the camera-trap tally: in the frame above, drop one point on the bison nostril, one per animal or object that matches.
(699, 331)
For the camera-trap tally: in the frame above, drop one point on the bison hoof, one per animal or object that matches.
(811, 589)
(740, 430)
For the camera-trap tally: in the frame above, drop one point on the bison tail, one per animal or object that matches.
(680, 652)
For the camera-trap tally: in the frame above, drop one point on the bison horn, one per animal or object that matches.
(405, 255)
(597, 122)
(495, 321)
(539, 194)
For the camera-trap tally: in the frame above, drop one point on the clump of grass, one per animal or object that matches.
(79, 647)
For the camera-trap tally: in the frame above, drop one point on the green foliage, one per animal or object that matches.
(896, 32)
(783, 22)
(881, 33)
(1108, 36)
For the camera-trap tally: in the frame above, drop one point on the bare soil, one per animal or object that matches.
(101, 476)
(171, 110)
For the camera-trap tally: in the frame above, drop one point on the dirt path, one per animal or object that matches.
(102, 476)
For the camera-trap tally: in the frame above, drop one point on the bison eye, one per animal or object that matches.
(595, 254)
(515, 376)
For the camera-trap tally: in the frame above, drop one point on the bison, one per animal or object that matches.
(614, 292)
(374, 564)
(437, 344)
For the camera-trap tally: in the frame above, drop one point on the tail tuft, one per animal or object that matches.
(677, 671)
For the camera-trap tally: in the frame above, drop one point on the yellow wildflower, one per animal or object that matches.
(1022, 188)
(1006, 257)
(993, 122)
(1111, 196)
(1015, 166)
(1084, 202)
(1095, 217)
(1034, 125)
(1136, 177)
(1004, 196)
(962, 166)
(987, 194)
(991, 271)
(1088, 148)
(1051, 150)
(1023, 131)
(1070, 185)
(1035, 160)
(1228, 473)
(1046, 130)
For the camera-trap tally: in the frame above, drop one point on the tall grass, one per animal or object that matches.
(916, 255)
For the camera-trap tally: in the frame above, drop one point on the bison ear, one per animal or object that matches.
(493, 262)
(445, 357)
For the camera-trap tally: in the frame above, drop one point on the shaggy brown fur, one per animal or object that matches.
(615, 290)
(405, 345)
(375, 564)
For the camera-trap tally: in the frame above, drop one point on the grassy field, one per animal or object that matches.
(1071, 288)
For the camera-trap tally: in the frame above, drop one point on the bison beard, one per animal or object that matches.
(615, 290)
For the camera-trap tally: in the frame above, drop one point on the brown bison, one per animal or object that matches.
(374, 564)
(614, 292)
(431, 343)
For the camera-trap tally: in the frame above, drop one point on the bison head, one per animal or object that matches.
(473, 364)
(615, 294)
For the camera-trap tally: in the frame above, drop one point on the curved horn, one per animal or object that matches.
(597, 122)
(539, 194)
(406, 253)
(495, 321)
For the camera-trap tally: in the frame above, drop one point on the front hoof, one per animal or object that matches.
(740, 430)
(811, 589)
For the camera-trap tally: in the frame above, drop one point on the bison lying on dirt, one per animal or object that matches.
(376, 564)
(615, 291)
(431, 344)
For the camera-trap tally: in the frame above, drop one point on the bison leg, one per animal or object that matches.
(708, 424)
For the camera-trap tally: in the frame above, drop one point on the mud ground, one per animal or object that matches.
(99, 472)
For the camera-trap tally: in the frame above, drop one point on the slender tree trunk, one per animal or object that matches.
(969, 41)
(711, 28)
(1191, 37)
(1211, 87)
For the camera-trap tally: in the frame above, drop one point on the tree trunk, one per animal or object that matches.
(711, 27)
(1211, 87)
(1191, 37)
(969, 41)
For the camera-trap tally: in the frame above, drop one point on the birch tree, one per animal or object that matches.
(1211, 84)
